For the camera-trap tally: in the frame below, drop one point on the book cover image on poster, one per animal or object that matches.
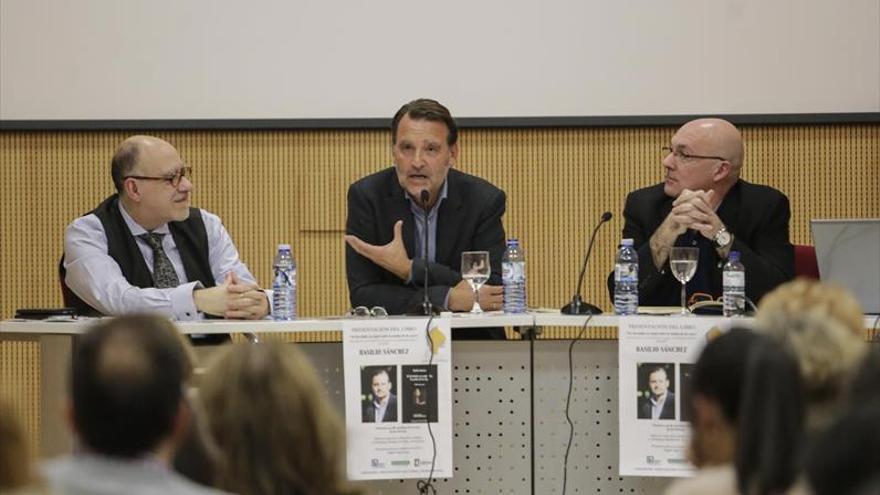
(378, 394)
(419, 393)
(656, 394)
(686, 387)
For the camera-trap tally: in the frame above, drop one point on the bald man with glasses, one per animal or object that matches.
(704, 203)
(145, 249)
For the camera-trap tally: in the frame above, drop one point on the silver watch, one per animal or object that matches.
(722, 238)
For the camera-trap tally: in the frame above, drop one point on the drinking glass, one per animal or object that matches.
(683, 263)
(475, 269)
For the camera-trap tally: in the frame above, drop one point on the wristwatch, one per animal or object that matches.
(722, 238)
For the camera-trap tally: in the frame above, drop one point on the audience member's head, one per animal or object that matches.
(747, 410)
(15, 466)
(822, 325)
(127, 386)
(273, 426)
(845, 458)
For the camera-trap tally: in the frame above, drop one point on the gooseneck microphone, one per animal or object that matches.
(426, 304)
(577, 306)
(425, 308)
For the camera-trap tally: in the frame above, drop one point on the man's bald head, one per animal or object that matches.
(719, 137)
(707, 154)
(129, 153)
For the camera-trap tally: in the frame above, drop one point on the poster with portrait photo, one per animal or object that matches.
(379, 394)
(392, 397)
(656, 394)
(653, 352)
(419, 393)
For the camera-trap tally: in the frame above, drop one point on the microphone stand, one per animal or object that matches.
(426, 308)
(578, 306)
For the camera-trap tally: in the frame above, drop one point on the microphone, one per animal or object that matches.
(577, 306)
(425, 308)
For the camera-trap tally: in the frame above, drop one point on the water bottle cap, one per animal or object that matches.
(626, 242)
(284, 247)
(733, 256)
(513, 242)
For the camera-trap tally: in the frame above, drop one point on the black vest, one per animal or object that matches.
(189, 235)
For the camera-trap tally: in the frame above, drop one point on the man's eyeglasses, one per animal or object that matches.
(173, 179)
(362, 311)
(682, 156)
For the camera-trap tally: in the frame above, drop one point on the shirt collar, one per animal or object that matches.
(135, 228)
(443, 193)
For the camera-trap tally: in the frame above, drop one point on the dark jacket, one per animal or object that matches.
(469, 219)
(756, 215)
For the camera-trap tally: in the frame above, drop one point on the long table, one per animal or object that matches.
(497, 435)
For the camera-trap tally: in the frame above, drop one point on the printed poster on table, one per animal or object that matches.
(656, 357)
(392, 393)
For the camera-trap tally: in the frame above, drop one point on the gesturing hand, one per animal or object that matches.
(391, 256)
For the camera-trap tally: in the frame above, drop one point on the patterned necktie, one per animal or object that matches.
(164, 275)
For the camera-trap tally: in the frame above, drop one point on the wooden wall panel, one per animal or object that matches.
(289, 186)
(278, 186)
(20, 385)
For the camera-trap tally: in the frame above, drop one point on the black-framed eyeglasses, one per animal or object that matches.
(173, 179)
(362, 311)
(682, 156)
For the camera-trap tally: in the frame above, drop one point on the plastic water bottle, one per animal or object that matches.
(733, 282)
(513, 273)
(626, 279)
(284, 284)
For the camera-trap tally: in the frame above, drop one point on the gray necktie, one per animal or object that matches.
(164, 275)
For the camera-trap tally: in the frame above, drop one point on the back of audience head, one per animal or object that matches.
(845, 458)
(748, 411)
(272, 424)
(127, 386)
(821, 324)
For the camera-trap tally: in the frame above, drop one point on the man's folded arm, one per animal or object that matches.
(95, 277)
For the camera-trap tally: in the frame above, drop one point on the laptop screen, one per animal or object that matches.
(848, 252)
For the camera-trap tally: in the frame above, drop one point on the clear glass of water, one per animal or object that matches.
(475, 269)
(683, 263)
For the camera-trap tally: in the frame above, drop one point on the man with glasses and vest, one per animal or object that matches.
(145, 249)
(703, 203)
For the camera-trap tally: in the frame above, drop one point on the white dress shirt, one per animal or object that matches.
(94, 276)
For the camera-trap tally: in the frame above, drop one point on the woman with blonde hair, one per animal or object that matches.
(822, 325)
(272, 424)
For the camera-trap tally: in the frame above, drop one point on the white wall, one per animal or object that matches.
(204, 59)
